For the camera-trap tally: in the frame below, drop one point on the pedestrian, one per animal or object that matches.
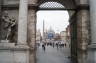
(65, 45)
(53, 45)
(57, 45)
(43, 47)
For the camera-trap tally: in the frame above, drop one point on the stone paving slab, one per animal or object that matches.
(53, 55)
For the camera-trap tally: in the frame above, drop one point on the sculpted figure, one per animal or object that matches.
(8, 25)
(13, 32)
(5, 24)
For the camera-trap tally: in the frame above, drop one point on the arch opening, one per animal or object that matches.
(51, 26)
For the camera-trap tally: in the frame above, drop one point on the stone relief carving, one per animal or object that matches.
(8, 27)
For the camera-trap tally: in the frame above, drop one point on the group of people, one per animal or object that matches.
(57, 45)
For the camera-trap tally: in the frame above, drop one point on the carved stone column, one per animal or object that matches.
(92, 46)
(22, 23)
(82, 34)
(32, 33)
(32, 27)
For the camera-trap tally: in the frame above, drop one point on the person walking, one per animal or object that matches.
(43, 47)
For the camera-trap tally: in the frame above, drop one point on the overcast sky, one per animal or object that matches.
(58, 20)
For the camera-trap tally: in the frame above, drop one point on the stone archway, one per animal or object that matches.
(79, 23)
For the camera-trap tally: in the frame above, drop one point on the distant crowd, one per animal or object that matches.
(58, 45)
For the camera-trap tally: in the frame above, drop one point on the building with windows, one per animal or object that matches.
(38, 36)
(63, 36)
(68, 35)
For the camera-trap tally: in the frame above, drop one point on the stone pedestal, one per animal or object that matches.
(9, 53)
(4, 41)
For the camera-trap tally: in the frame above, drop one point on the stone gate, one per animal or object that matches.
(22, 50)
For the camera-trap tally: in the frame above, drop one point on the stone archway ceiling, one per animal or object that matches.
(65, 4)
(51, 5)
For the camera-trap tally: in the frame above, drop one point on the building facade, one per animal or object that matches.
(38, 36)
(68, 35)
(63, 36)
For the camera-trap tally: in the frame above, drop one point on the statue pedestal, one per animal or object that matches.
(9, 53)
(4, 41)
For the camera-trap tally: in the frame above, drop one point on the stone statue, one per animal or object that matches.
(13, 32)
(7, 24)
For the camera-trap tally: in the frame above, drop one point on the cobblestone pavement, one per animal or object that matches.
(53, 55)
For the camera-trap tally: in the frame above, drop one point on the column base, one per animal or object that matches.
(9, 53)
(4, 41)
(91, 53)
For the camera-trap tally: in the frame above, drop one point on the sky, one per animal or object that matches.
(57, 20)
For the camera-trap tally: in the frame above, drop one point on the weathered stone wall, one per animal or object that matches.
(82, 35)
(19, 53)
(80, 32)
(80, 41)
(32, 33)
(79, 23)
(31, 27)
(12, 8)
(33, 1)
(10, 2)
(79, 2)
(16, 2)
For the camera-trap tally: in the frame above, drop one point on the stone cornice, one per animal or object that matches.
(82, 7)
(16, 6)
